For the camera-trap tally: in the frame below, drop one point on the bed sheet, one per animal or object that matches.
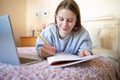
(102, 68)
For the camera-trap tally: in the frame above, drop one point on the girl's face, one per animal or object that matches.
(66, 20)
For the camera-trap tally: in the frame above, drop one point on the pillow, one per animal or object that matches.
(95, 37)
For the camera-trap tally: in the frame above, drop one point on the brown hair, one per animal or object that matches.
(71, 5)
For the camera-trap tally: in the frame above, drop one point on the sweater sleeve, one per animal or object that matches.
(47, 33)
(86, 42)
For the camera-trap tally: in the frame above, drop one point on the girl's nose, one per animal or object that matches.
(64, 23)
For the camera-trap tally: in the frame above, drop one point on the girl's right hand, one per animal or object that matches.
(47, 51)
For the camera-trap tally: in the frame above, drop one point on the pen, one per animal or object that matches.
(41, 37)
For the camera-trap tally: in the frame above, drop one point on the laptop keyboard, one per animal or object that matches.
(26, 60)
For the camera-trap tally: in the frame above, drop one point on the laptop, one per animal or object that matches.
(8, 49)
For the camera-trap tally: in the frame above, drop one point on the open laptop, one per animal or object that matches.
(8, 49)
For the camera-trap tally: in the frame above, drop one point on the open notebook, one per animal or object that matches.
(65, 59)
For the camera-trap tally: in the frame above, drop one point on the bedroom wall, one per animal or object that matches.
(17, 11)
(95, 8)
(35, 13)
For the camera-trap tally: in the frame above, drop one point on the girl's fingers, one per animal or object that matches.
(47, 51)
(84, 53)
(87, 53)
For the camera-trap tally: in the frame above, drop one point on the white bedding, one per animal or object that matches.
(102, 68)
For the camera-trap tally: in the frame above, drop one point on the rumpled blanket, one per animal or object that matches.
(102, 68)
(97, 69)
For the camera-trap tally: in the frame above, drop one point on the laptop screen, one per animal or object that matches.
(8, 50)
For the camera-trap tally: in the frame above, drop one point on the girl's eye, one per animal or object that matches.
(61, 19)
(69, 20)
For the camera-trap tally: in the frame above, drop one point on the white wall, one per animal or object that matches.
(39, 6)
(94, 8)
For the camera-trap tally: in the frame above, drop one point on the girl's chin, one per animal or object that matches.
(64, 32)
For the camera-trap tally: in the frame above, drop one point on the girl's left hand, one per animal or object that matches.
(84, 53)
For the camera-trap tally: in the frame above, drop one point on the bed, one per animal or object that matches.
(103, 68)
